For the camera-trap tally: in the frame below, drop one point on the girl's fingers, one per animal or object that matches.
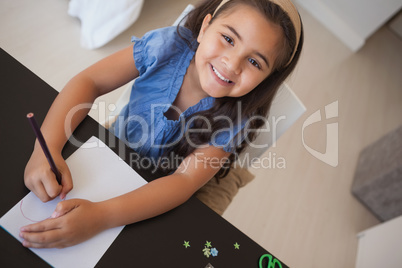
(35, 184)
(39, 245)
(43, 234)
(45, 187)
(47, 239)
(42, 226)
(51, 185)
(67, 184)
(64, 207)
(40, 192)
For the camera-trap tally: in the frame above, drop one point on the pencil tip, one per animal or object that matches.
(30, 115)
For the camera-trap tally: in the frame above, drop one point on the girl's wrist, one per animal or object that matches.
(114, 213)
(100, 217)
(52, 148)
(104, 215)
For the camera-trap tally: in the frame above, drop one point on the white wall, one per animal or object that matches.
(352, 21)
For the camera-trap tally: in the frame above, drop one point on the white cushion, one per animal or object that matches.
(101, 21)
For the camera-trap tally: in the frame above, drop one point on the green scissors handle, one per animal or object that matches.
(271, 262)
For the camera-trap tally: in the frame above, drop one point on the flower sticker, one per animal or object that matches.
(214, 252)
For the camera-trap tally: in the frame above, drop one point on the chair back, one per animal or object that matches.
(286, 108)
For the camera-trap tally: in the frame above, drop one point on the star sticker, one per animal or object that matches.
(208, 244)
(237, 246)
(186, 244)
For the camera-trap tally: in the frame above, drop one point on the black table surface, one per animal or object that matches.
(157, 242)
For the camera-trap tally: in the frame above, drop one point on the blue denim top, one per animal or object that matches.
(162, 58)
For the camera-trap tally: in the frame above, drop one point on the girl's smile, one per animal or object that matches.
(236, 52)
(221, 79)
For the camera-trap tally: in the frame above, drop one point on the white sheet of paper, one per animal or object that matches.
(98, 174)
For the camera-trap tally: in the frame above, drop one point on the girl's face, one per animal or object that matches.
(236, 52)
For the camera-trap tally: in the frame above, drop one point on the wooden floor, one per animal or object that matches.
(303, 211)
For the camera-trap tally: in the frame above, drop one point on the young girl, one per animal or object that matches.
(198, 89)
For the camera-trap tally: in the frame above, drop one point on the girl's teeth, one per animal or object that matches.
(220, 76)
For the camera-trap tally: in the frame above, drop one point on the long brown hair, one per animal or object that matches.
(255, 103)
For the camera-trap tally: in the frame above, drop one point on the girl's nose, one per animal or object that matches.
(232, 63)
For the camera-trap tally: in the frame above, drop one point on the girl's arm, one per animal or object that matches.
(168, 192)
(101, 78)
(77, 220)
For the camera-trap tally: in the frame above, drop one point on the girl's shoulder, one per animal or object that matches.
(169, 33)
(166, 37)
(161, 45)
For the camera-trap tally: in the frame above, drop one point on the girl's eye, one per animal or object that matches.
(254, 63)
(228, 39)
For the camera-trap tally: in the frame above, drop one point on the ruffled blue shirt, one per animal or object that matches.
(162, 58)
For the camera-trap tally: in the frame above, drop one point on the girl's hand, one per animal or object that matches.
(41, 180)
(72, 222)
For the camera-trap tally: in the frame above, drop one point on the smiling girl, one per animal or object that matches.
(198, 88)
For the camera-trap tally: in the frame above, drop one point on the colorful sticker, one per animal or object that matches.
(186, 244)
(207, 252)
(214, 252)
